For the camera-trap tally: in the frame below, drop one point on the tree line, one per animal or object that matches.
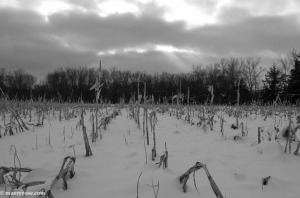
(228, 77)
(282, 82)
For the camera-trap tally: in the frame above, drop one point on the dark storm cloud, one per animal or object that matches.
(27, 41)
(250, 36)
(115, 31)
(74, 39)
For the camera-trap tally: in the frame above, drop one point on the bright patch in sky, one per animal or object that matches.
(172, 49)
(180, 10)
(168, 49)
(137, 50)
(122, 51)
(47, 8)
(108, 52)
(116, 7)
(175, 55)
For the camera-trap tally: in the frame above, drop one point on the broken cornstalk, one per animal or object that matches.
(164, 159)
(184, 178)
(85, 137)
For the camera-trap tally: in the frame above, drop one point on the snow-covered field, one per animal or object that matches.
(237, 167)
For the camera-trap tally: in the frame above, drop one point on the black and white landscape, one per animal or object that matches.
(149, 98)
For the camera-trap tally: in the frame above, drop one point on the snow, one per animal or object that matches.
(237, 167)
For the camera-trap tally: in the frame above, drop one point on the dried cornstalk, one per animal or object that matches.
(258, 135)
(85, 137)
(147, 131)
(184, 177)
(163, 159)
(289, 138)
(64, 170)
(152, 121)
(137, 186)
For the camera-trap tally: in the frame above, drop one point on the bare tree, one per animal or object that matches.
(287, 63)
(233, 68)
(252, 72)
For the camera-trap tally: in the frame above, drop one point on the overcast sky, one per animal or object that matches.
(146, 35)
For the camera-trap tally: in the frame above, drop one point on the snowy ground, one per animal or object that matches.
(236, 166)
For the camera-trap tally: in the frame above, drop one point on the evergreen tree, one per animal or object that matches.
(294, 81)
(273, 84)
